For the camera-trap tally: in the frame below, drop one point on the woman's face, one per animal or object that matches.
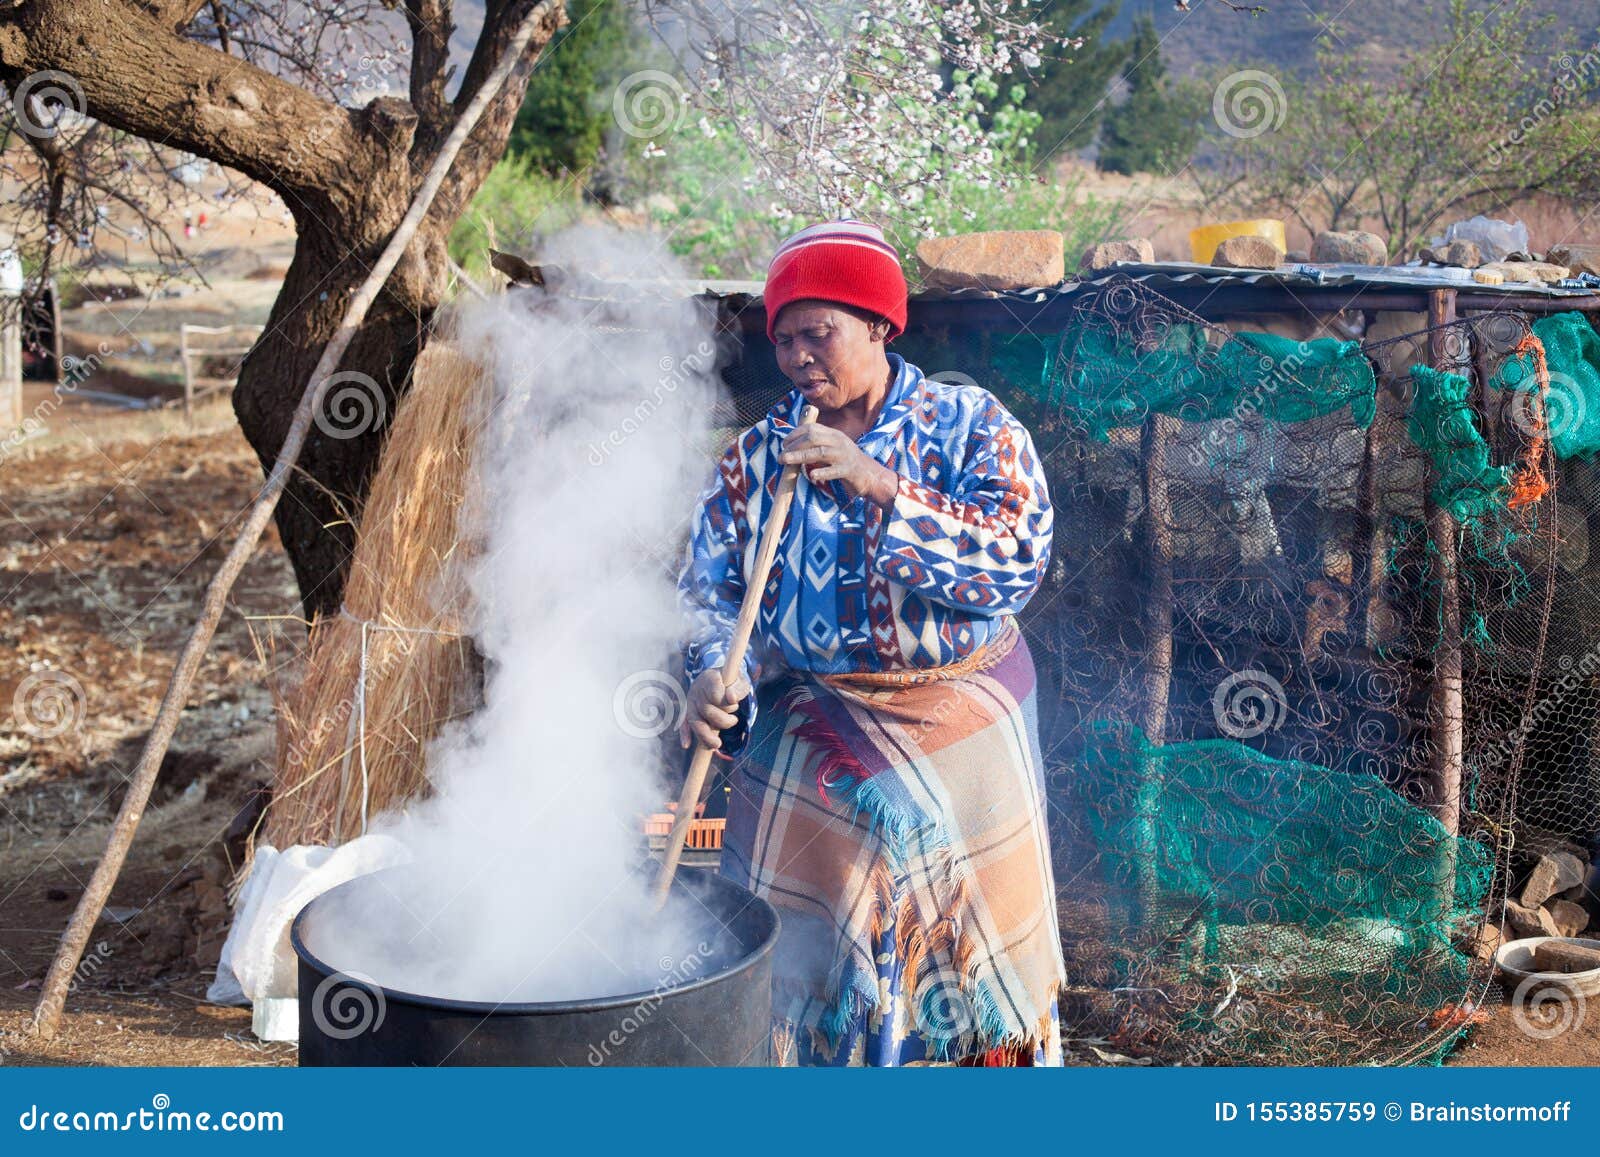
(834, 354)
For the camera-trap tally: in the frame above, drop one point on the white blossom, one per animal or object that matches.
(847, 110)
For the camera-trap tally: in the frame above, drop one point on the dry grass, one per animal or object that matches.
(402, 618)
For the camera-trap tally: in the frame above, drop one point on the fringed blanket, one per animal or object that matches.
(897, 822)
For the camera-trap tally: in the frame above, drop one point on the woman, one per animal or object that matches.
(888, 797)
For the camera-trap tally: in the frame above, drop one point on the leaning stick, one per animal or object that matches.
(732, 666)
(53, 996)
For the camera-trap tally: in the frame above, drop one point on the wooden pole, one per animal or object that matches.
(53, 996)
(1154, 438)
(1445, 698)
(1446, 713)
(1367, 569)
(188, 375)
(10, 363)
(57, 342)
(732, 667)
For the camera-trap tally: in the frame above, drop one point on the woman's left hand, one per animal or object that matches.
(829, 454)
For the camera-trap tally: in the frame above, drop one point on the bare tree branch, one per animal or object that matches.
(430, 23)
(139, 76)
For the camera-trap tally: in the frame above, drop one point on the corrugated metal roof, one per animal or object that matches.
(1355, 276)
(1156, 275)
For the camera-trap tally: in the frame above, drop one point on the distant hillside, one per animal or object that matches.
(1380, 32)
(1210, 36)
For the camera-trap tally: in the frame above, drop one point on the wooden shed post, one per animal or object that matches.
(1154, 439)
(1446, 712)
(10, 363)
(1445, 699)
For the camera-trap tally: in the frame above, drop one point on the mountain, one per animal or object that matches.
(1382, 33)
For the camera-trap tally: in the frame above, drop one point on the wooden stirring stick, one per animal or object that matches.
(732, 666)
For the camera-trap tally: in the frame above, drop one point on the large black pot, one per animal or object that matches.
(722, 1016)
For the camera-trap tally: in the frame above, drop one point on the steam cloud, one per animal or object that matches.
(525, 881)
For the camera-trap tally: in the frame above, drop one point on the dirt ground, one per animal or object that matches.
(110, 526)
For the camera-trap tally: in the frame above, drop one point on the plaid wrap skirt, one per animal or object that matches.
(897, 823)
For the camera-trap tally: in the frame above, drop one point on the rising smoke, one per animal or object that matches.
(525, 880)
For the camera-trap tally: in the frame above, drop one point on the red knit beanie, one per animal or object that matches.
(844, 261)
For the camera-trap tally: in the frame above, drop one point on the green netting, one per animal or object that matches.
(1477, 494)
(1285, 900)
(1466, 483)
(1572, 355)
(1292, 879)
(1117, 378)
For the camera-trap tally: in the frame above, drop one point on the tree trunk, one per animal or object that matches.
(316, 517)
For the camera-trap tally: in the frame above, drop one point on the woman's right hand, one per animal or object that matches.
(711, 708)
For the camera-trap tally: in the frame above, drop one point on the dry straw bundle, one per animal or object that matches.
(387, 671)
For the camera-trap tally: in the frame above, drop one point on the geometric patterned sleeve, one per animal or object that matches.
(982, 541)
(711, 584)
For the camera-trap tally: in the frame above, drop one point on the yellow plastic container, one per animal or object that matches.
(1203, 241)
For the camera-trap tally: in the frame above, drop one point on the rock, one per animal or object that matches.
(1108, 253)
(1525, 921)
(1016, 259)
(1578, 258)
(1570, 918)
(1486, 940)
(1248, 253)
(1555, 872)
(1531, 272)
(1583, 897)
(1352, 248)
(1488, 277)
(1461, 254)
(1297, 257)
(1556, 956)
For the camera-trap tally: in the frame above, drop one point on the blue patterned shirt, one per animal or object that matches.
(856, 587)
